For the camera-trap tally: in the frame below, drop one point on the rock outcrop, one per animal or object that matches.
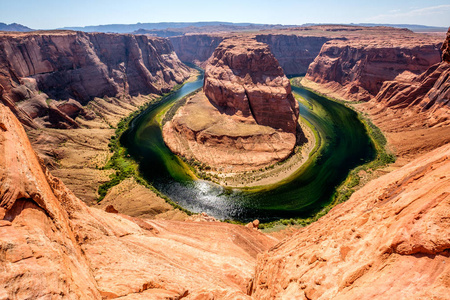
(64, 65)
(429, 92)
(53, 246)
(390, 240)
(294, 53)
(243, 78)
(196, 48)
(356, 68)
(247, 116)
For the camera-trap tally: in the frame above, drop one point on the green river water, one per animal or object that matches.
(344, 144)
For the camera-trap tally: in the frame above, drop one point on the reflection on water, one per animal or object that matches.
(346, 145)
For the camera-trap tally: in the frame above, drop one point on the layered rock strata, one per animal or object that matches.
(429, 92)
(196, 48)
(53, 246)
(293, 52)
(356, 68)
(47, 76)
(245, 119)
(390, 240)
(243, 78)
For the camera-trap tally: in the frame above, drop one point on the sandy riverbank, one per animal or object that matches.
(271, 174)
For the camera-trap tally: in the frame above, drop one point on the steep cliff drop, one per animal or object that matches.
(402, 79)
(48, 77)
(355, 68)
(53, 246)
(246, 116)
(390, 240)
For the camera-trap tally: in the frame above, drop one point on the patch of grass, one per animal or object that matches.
(347, 188)
(124, 165)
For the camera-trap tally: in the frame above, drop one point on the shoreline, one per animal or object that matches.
(271, 174)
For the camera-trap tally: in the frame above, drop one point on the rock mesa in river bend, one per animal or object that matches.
(246, 116)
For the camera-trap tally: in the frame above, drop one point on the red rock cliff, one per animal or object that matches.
(248, 118)
(428, 93)
(53, 246)
(243, 78)
(294, 53)
(76, 65)
(196, 48)
(356, 68)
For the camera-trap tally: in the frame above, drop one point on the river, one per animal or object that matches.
(344, 145)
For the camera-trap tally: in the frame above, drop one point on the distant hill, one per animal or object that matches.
(169, 32)
(173, 26)
(412, 27)
(14, 27)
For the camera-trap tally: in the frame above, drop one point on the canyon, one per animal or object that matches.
(47, 78)
(246, 116)
(391, 239)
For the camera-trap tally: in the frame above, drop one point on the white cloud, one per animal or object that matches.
(415, 16)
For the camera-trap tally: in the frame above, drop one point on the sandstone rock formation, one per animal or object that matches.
(196, 48)
(243, 78)
(356, 68)
(248, 118)
(64, 65)
(54, 246)
(430, 91)
(294, 53)
(390, 240)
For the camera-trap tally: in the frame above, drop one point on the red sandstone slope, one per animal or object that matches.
(390, 240)
(53, 246)
(63, 65)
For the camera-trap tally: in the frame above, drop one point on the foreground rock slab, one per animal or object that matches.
(390, 240)
(53, 246)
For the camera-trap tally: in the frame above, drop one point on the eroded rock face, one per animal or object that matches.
(196, 48)
(243, 78)
(200, 131)
(390, 240)
(63, 65)
(356, 68)
(53, 246)
(428, 93)
(294, 53)
(247, 116)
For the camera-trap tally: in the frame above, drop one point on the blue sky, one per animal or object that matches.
(47, 14)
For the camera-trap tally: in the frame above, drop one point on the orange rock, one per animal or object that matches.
(356, 68)
(390, 240)
(52, 244)
(243, 78)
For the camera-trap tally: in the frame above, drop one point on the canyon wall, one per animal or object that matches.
(196, 48)
(53, 246)
(430, 91)
(356, 68)
(64, 65)
(294, 53)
